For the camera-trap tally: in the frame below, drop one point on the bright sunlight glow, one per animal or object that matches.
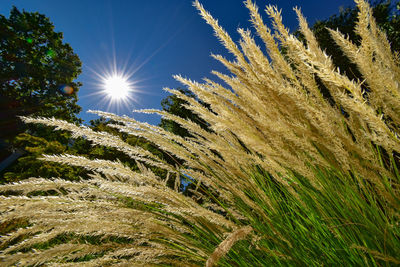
(117, 87)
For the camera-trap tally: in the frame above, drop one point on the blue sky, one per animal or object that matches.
(155, 39)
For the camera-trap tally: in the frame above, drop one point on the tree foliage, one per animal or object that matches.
(37, 73)
(30, 164)
(35, 67)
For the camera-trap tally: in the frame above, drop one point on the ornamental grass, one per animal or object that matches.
(299, 167)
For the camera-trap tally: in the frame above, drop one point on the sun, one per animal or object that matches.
(117, 87)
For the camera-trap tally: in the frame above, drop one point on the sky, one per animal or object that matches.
(152, 40)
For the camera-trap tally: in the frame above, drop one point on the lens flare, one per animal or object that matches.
(66, 89)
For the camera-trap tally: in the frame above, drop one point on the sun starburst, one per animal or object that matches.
(114, 88)
(117, 87)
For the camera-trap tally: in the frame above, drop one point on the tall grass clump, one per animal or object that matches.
(287, 175)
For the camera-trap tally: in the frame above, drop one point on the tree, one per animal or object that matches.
(30, 165)
(37, 73)
(37, 70)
